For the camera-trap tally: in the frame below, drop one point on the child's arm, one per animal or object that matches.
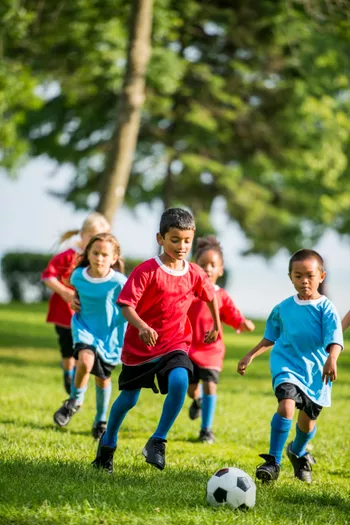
(246, 326)
(260, 348)
(330, 366)
(146, 333)
(346, 321)
(55, 285)
(212, 335)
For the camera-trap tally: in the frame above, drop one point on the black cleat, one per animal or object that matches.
(99, 429)
(206, 436)
(154, 452)
(268, 471)
(64, 414)
(67, 380)
(104, 457)
(302, 465)
(195, 409)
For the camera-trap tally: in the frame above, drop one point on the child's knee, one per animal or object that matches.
(209, 388)
(130, 398)
(286, 408)
(178, 379)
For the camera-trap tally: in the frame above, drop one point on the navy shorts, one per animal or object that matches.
(65, 341)
(100, 369)
(204, 374)
(143, 376)
(302, 402)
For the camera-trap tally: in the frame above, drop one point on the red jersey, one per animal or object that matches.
(60, 267)
(162, 297)
(211, 355)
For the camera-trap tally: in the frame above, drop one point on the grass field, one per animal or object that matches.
(45, 472)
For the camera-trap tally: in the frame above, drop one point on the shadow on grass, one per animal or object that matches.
(12, 360)
(13, 339)
(46, 426)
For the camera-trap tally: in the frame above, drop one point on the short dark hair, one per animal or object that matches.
(176, 218)
(302, 255)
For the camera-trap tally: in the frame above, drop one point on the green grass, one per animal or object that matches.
(45, 473)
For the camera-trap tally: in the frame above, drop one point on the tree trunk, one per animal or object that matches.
(116, 176)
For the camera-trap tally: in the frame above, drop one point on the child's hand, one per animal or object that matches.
(68, 295)
(243, 364)
(75, 304)
(247, 326)
(211, 336)
(329, 370)
(148, 336)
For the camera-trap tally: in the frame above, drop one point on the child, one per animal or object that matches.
(207, 359)
(155, 302)
(98, 329)
(305, 330)
(56, 277)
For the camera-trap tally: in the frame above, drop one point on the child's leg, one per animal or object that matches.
(194, 390)
(208, 404)
(103, 396)
(126, 400)
(305, 431)
(177, 388)
(280, 426)
(84, 364)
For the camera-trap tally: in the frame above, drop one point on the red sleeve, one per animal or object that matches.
(204, 288)
(56, 267)
(134, 287)
(229, 313)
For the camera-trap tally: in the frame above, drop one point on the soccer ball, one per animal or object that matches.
(233, 487)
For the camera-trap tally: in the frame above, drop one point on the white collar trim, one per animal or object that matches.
(310, 301)
(168, 270)
(97, 280)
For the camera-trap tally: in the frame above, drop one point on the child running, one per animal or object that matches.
(98, 328)
(56, 277)
(305, 330)
(155, 302)
(207, 359)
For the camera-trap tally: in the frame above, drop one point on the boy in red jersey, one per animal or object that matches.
(207, 359)
(155, 301)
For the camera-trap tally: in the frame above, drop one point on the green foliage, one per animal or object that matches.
(45, 472)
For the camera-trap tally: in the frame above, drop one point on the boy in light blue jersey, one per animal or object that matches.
(306, 332)
(98, 328)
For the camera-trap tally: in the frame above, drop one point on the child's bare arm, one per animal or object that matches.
(55, 285)
(330, 366)
(146, 333)
(212, 335)
(260, 348)
(346, 321)
(246, 326)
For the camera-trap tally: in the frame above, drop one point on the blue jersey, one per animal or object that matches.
(100, 322)
(301, 331)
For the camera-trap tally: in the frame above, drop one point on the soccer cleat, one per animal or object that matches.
(99, 429)
(206, 436)
(64, 414)
(104, 457)
(268, 471)
(302, 466)
(195, 409)
(67, 380)
(154, 452)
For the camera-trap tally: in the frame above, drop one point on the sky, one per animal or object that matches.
(32, 220)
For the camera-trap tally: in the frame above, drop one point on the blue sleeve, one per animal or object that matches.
(331, 326)
(273, 325)
(74, 278)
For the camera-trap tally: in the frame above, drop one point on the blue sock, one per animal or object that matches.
(78, 393)
(208, 410)
(177, 388)
(280, 427)
(301, 440)
(103, 396)
(69, 373)
(126, 400)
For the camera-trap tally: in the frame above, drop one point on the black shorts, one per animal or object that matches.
(204, 374)
(302, 402)
(65, 341)
(100, 369)
(143, 376)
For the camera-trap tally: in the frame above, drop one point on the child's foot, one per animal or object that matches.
(302, 466)
(104, 457)
(99, 429)
(206, 436)
(268, 471)
(154, 452)
(195, 408)
(67, 380)
(64, 414)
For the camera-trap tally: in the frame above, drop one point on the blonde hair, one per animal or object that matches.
(107, 237)
(94, 220)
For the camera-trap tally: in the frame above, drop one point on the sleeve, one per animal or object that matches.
(331, 326)
(204, 289)
(56, 267)
(229, 313)
(74, 278)
(273, 325)
(134, 287)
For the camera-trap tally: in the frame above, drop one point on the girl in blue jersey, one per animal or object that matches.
(98, 328)
(306, 332)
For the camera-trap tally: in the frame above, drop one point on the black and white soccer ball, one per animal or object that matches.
(233, 487)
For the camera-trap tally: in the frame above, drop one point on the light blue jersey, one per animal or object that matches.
(100, 322)
(301, 332)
